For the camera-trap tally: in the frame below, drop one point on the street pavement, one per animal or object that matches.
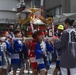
(26, 72)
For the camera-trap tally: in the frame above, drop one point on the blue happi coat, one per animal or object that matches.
(18, 48)
(9, 46)
(5, 48)
(42, 60)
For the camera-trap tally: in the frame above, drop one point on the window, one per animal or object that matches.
(56, 11)
(37, 3)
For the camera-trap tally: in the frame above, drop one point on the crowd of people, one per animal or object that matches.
(16, 51)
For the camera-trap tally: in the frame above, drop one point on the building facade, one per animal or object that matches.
(57, 7)
(8, 11)
(7, 15)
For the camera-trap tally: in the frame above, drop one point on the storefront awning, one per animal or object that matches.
(60, 18)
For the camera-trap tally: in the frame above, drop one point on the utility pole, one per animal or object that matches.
(42, 2)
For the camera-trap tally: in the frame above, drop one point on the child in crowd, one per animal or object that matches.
(41, 50)
(32, 55)
(4, 49)
(17, 58)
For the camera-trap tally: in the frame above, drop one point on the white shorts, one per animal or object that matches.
(64, 71)
(43, 69)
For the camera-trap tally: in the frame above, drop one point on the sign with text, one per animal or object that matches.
(6, 20)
